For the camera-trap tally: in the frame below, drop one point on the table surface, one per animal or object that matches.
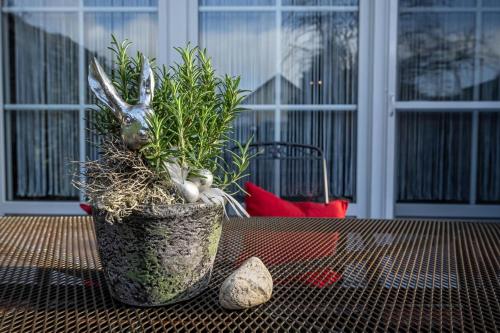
(394, 275)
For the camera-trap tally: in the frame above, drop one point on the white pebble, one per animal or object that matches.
(250, 285)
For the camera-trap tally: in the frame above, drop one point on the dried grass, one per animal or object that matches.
(120, 182)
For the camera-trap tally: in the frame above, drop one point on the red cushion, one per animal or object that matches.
(334, 209)
(260, 202)
(86, 208)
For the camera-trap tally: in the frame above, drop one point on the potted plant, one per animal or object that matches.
(158, 190)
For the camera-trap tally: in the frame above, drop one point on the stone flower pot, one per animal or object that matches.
(160, 258)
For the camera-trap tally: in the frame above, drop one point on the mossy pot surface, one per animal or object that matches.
(162, 257)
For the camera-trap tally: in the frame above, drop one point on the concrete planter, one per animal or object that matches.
(152, 259)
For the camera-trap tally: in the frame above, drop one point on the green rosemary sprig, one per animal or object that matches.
(193, 113)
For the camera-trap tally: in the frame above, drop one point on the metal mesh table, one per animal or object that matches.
(361, 275)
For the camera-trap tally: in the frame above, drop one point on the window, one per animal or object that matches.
(403, 96)
(46, 46)
(300, 62)
(447, 86)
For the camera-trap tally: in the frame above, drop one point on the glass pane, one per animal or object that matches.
(488, 186)
(335, 133)
(236, 2)
(438, 3)
(491, 3)
(319, 58)
(141, 29)
(40, 58)
(258, 125)
(433, 157)
(436, 56)
(490, 58)
(41, 3)
(243, 44)
(320, 2)
(42, 145)
(92, 139)
(121, 3)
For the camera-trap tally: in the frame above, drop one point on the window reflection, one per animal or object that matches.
(490, 58)
(41, 58)
(447, 55)
(319, 58)
(139, 28)
(41, 67)
(243, 43)
(436, 56)
(317, 65)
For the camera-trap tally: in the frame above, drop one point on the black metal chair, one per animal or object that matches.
(299, 157)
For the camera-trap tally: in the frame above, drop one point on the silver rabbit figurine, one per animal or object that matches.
(134, 128)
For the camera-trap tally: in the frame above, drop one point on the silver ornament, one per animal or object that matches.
(203, 179)
(134, 128)
(189, 191)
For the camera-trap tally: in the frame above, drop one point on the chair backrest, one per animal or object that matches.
(296, 172)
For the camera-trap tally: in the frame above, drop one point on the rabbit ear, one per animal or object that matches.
(147, 84)
(104, 89)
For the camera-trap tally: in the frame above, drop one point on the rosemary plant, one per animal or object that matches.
(193, 113)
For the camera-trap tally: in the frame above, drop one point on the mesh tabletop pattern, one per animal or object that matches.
(329, 275)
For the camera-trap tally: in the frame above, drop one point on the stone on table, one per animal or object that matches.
(248, 286)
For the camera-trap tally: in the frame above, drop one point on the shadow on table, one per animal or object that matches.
(50, 288)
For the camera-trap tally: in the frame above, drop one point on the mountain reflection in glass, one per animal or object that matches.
(140, 28)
